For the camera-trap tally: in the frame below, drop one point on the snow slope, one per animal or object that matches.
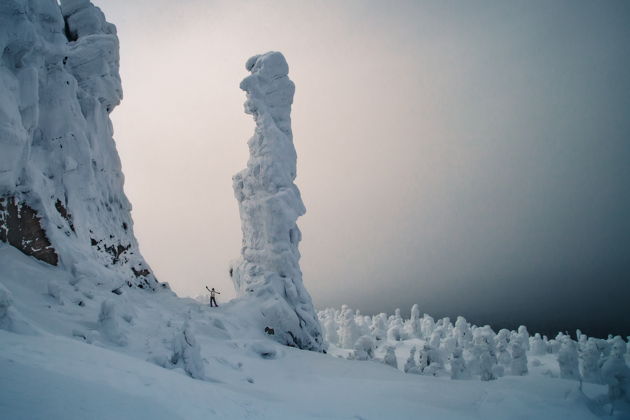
(66, 366)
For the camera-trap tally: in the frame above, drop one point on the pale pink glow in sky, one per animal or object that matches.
(451, 154)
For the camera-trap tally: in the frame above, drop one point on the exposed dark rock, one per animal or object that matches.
(64, 213)
(141, 272)
(20, 227)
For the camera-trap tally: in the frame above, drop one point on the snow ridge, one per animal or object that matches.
(270, 203)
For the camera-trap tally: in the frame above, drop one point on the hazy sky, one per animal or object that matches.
(471, 157)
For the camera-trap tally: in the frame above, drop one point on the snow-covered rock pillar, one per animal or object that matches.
(269, 202)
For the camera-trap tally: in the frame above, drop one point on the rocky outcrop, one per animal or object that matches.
(61, 185)
(268, 271)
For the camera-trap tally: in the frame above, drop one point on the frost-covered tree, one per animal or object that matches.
(524, 336)
(413, 327)
(330, 329)
(553, 346)
(458, 365)
(390, 357)
(434, 344)
(537, 345)
(568, 359)
(395, 333)
(186, 353)
(430, 360)
(591, 362)
(378, 329)
(427, 324)
(363, 323)
(518, 365)
(364, 348)
(424, 358)
(462, 332)
(395, 330)
(502, 340)
(348, 331)
(108, 324)
(486, 366)
(268, 272)
(484, 353)
(615, 372)
(410, 365)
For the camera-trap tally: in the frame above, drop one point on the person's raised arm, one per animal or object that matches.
(208, 289)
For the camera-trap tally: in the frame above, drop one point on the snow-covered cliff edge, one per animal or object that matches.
(270, 203)
(61, 185)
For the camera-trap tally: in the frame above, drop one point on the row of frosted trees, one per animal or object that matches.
(464, 351)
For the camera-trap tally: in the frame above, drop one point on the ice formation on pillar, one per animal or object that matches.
(270, 203)
(61, 184)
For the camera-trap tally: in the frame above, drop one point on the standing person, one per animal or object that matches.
(212, 296)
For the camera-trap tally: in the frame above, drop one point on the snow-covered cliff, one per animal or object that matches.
(269, 204)
(61, 185)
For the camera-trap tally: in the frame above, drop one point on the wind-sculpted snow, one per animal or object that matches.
(420, 345)
(269, 202)
(61, 185)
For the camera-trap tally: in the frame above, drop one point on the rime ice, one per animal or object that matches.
(270, 203)
(61, 184)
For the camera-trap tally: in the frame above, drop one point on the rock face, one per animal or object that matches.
(61, 185)
(268, 271)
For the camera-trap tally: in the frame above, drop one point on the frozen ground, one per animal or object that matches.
(63, 363)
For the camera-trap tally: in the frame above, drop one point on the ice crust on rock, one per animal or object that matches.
(269, 202)
(61, 185)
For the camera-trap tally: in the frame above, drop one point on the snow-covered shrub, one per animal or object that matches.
(364, 348)
(186, 353)
(518, 365)
(615, 372)
(390, 357)
(537, 345)
(459, 369)
(591, 365)
(108, 324)
(568, 359)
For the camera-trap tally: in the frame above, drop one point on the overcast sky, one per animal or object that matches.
(471, 157)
